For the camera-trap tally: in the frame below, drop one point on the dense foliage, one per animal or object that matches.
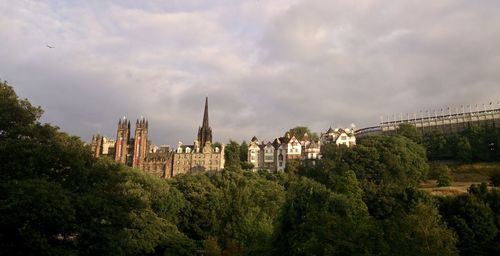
(475, 143)
(56, 199)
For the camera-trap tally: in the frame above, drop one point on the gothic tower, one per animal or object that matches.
(96, 145)
(122, 139)
(205, 132)
(140, 142)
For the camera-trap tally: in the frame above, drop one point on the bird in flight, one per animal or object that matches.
(50, 46)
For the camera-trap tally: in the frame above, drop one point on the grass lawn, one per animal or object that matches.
(463, 175)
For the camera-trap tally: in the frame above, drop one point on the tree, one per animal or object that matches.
(420, 232)
(409, 131)
(316, 221)
(243, 151)
(17, 116)
(56, 199)
(442, 174)
(385, 160)
(300, 131)
(463, 150)
(232, 156)
(437, 145)
(472, 220)
(495, 178)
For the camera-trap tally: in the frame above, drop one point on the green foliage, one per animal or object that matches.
(463, 150)
(475, 143)
(442, 174)
(211, 247)
(232, 155)
(243, 151)
(238, 210)
(292, 167)
(57, 200)
(317, 221)
(409, 131)
(419, 232)
(383, 159)
(37, 216)
(17, 116)
(300, 131)
(495, 178)
(437, 145)
(247, 166)
(472, 220)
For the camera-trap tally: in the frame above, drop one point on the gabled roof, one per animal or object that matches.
(254, 139)
(312, 144)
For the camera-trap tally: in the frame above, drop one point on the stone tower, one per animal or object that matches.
(140, 142)
(205, 132)
(122, 140)
(96, 145)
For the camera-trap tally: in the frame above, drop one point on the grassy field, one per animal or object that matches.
(463, 175)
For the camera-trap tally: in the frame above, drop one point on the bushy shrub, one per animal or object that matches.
(442, 175)
(495, 178)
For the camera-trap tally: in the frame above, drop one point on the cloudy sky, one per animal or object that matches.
(266, 66)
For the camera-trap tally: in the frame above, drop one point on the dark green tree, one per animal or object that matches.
(409, 131)
(383, 159)
(243, 151)
(472, 220)
(300, 131)
(55, 199)
(232, 156)
(316, 221)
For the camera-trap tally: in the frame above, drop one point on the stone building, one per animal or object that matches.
(158, 162)
(203, 155)
(101, 145)
(138, 152)
(274, 156)
(339, 137)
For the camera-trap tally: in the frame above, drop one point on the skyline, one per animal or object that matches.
(266, 66)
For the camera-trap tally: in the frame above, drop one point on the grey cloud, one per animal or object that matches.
(266, 65)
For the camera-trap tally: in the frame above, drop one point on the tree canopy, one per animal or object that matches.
(56, 199)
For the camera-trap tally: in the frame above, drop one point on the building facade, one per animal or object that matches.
(162, 161)
(339, 136)
(274, 156)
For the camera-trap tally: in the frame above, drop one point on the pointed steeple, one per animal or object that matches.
(205, 132)
(205, 115)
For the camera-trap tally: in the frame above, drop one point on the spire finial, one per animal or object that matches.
(205, 114)
(205, 132)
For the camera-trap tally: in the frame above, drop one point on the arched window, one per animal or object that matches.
(179, 150)
(188, 150)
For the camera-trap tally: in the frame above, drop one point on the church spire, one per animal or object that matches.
(205, 132)
(205, 115)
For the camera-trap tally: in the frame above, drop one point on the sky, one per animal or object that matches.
(266, 66)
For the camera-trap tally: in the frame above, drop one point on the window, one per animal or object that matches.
(343, 137)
